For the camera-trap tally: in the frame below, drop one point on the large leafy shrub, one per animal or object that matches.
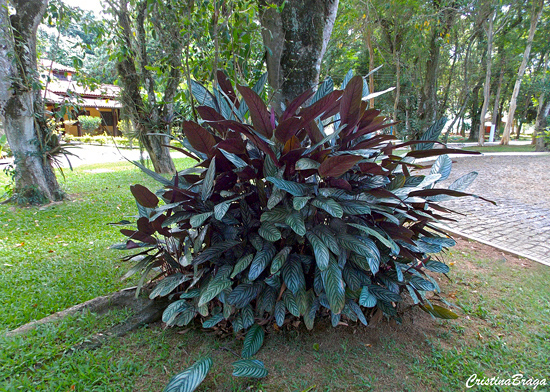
(294, 215)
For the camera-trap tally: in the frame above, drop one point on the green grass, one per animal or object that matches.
(57, 256)
(504, 306)
(499, 148)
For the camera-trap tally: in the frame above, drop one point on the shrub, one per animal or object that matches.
(89, 123)
(293, 216)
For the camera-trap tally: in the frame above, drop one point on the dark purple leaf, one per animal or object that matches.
(287, 128)
(448, 192)
(293, 107)
(199, 138)
(144, 196)
(439, 151)
(338, 165)
(350, 104)
(227, 88)
(139, 236)
(258, 111)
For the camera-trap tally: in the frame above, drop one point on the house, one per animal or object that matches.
(60, 89)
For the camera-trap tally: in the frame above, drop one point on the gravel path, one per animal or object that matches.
(520, 185)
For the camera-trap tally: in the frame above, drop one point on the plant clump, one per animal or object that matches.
(293, 215)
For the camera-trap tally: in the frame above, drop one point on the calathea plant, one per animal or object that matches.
(293, 215)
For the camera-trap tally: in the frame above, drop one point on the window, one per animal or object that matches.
(108, 118)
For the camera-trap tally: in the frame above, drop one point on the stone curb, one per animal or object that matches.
(485, 242)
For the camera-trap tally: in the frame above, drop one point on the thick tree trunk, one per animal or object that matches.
(542, 143)
(487, 85)
(474, 114)
(535, 16)
(296, 38)
(21, 106)
(132, 81)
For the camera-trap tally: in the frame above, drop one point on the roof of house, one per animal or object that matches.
(68, 91)
(47, 64)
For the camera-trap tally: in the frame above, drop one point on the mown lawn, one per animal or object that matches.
(54, 257)
(499, 148)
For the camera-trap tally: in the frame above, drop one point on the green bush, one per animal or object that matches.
(293, 216)
(89, 123)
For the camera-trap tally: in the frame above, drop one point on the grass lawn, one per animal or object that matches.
(54, 257)
(499, 148)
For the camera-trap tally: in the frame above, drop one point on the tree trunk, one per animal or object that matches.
(397, 91)
(368, 39)
(474, 114)
(132, 80)
(542, 143)
(487, 86)
(494, 115)
(535, 16)
(296, 38)
(21, 106)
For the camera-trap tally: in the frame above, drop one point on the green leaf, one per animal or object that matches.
(280, 313)
(242, 295)
(247, 316)
(253, 341)
(296, 223)
(276, 196)
(366, 299)
(300, 202)
(329, 205)
(442, 165)
(190, 378)
(215, 287)
(386, 241)
(241, 265)
(212, 321)
(277, 214)
(268, 231)
(320, 250)
(463, 182)
(208, 181)
(293, 275)
(166, 285)
(261, 261)
(290, 303)
(173, 310)
(439, 311)
(383, 293)
(234, 159)
(432, 134)
(249, 368)
(221, 209)
(356, 245)
(436, 266)
(355, 207)
(279, 259)
(306, 164)
(421, 284)
(357, 310)
(199, 219)
(328, 237)
(334, 286)
(294, 188)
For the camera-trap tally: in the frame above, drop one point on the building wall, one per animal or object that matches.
(73, 129)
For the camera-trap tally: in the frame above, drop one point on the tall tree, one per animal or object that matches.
(21, 106)
(137, 23)
(296, 34)
(536, 12)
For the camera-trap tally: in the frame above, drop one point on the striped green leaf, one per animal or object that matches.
(296, 223)
(268, 231)
(294, 188)
(261, 261)
(190, 378)
(293, 275)
(199, 219)
(300, 202)
(320, 250)
(279, 259)
(366, 299)
(329, 205)
(253, 341)
(249, 368)
(241, 265)
(334, 286)
(166, 285)
(215, 287)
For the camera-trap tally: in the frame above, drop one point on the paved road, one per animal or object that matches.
(520, 185)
